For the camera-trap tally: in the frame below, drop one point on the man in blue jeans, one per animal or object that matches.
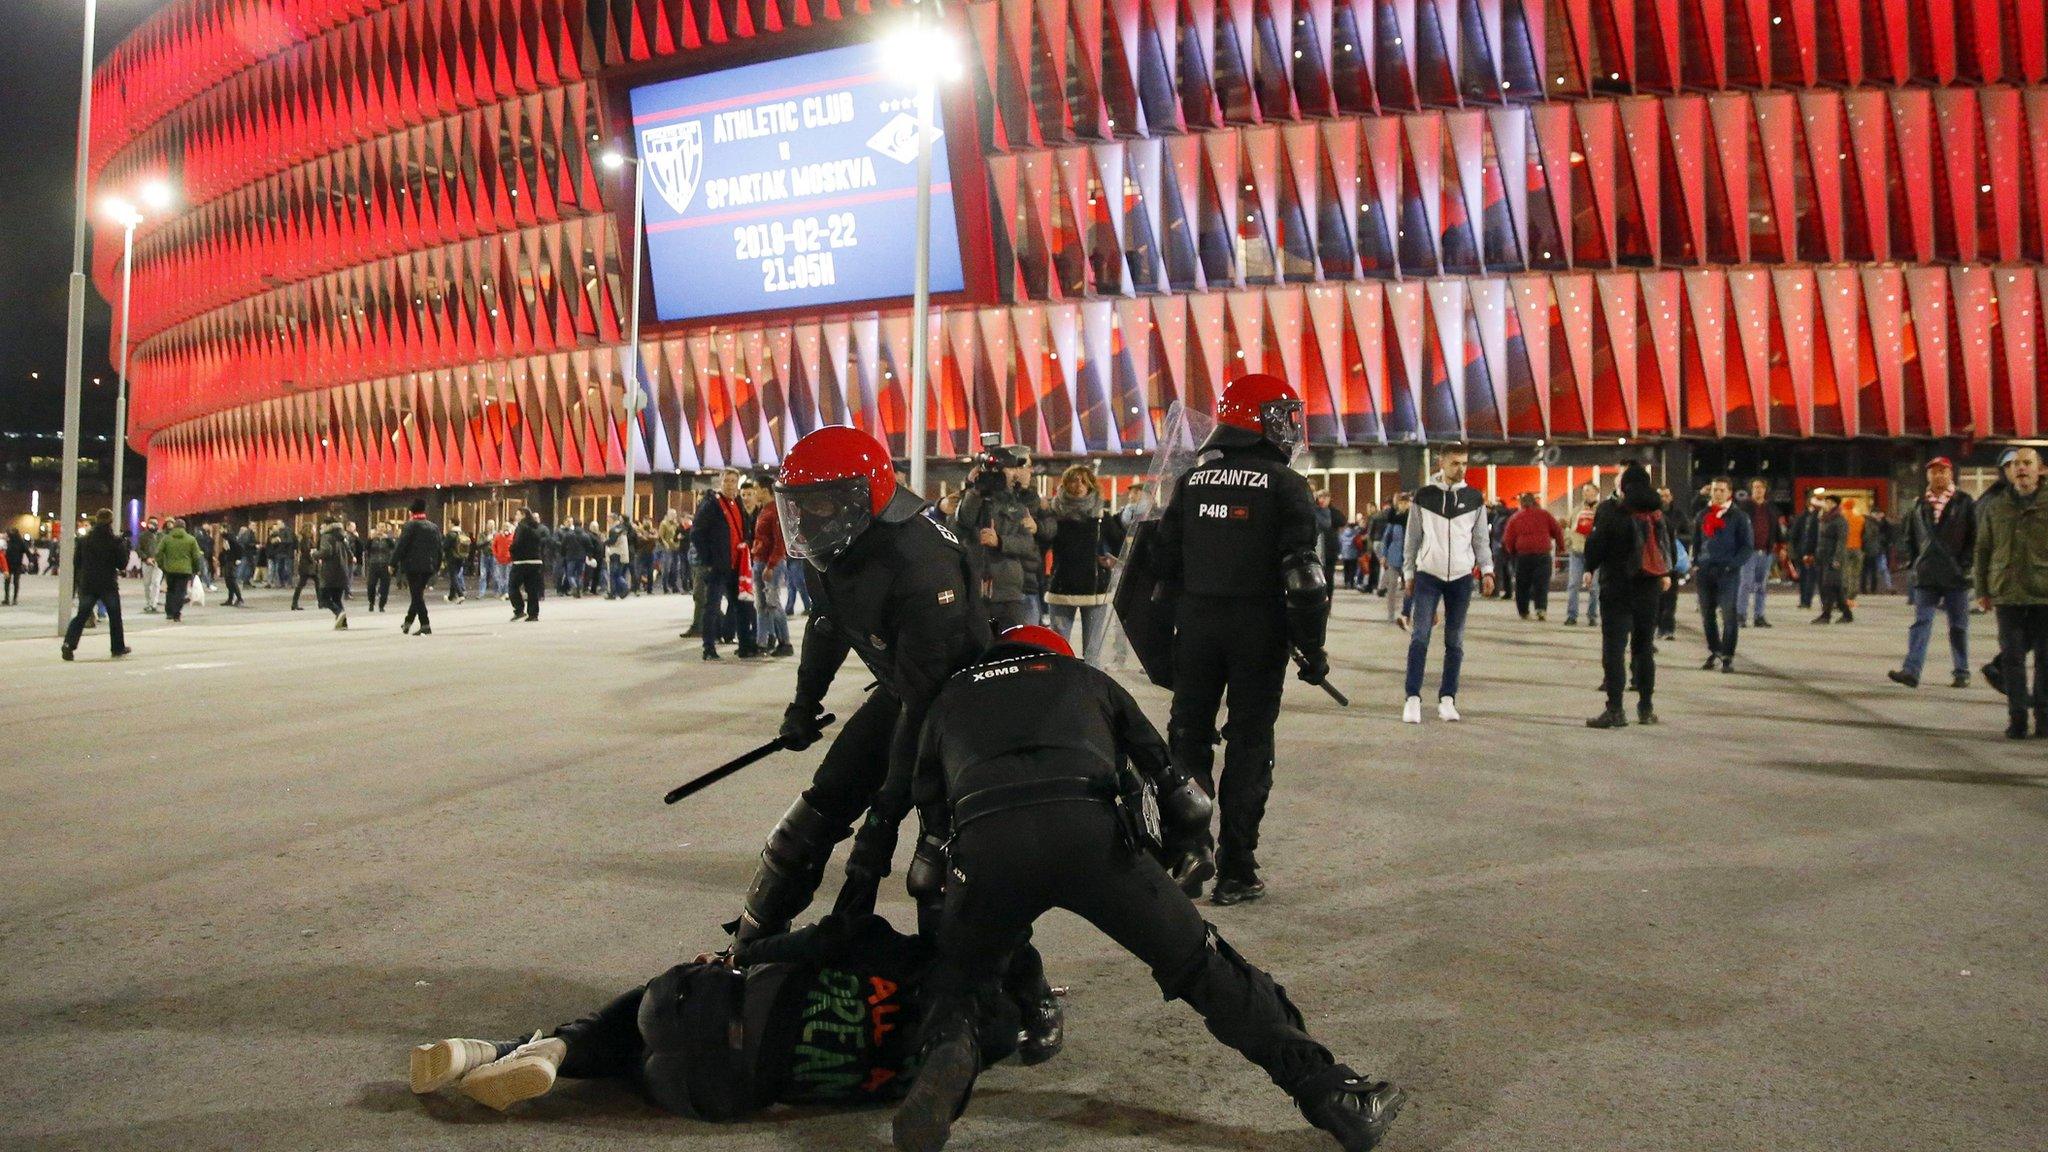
(1763, 551)
(1940, 539)
(1724, 549)
(1447, 541)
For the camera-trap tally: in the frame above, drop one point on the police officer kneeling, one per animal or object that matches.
(1022, 769)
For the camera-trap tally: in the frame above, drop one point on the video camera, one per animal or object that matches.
(991, 464)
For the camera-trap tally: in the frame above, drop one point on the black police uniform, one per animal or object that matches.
(1238, 541)
(1021, 767)
(902, 597)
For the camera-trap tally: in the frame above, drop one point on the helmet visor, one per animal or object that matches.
(819, 521)
(1281, 420)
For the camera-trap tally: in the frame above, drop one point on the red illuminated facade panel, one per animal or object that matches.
(397, 263)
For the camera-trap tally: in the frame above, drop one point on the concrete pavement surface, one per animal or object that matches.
(250, 865)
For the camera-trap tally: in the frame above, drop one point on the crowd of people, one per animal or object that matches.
(1051, 560)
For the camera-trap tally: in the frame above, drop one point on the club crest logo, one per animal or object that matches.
(898, 138)
(674, 155)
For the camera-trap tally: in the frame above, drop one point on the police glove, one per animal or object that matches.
(800, 727)
(1313, 667)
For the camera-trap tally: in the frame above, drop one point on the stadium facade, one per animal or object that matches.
(398, 263)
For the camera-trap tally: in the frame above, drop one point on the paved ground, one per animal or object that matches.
(251, 864)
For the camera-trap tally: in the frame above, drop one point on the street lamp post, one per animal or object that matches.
(924, 53)
(128, 222)
(615, 161)
(74, 331)
(156, 195)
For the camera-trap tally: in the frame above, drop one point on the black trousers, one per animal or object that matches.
(525, 590)
(1532, 583)
(1629, 610)
(329, 597)
(175, 584)
(227, 574)
(87, 601)
(1011, 867)
(1667, 609)
(416, 584)
(13, 586)
(2022, 632)
(377, 587)
(1372, 573)
(306, 577)
(1233, 649)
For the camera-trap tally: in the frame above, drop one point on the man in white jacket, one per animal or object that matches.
(1447, 543)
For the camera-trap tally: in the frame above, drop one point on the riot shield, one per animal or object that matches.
(1144, 613)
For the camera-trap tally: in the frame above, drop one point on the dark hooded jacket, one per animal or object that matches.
(1621, 527)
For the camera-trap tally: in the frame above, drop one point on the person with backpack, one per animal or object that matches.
(1634, 553)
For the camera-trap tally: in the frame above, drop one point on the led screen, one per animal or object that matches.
(790, 184)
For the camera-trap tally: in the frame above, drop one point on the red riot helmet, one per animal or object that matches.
(1037, 636)
(833, 484)
(1266, 405)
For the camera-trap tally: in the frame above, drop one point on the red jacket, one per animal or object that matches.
(1531, 532)
(768, 546)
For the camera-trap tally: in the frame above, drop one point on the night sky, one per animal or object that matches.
(39, 89)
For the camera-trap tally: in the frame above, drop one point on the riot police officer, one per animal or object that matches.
(892, 585)
(1027, 800)
(1237, 544)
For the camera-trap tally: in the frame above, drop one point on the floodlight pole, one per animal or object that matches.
(121, 369)
(921, 300)
(633, 400)
(74, 333)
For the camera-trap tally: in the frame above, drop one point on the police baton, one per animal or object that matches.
(691, 788)
(1342, 700)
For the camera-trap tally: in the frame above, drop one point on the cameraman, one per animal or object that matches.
(996, 521)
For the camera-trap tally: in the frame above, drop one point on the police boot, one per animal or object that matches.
(1045, 1026)
(1355, 1112)
(945, 1079)
(1233, 890)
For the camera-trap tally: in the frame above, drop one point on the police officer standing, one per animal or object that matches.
(1022, 771)
(892, 585)
(1238, 545)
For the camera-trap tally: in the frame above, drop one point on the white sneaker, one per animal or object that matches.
(1411, 712)
(1447, 709)
(526, 1072)
(435, 1066)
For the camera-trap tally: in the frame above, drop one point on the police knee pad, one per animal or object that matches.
(792, 864)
